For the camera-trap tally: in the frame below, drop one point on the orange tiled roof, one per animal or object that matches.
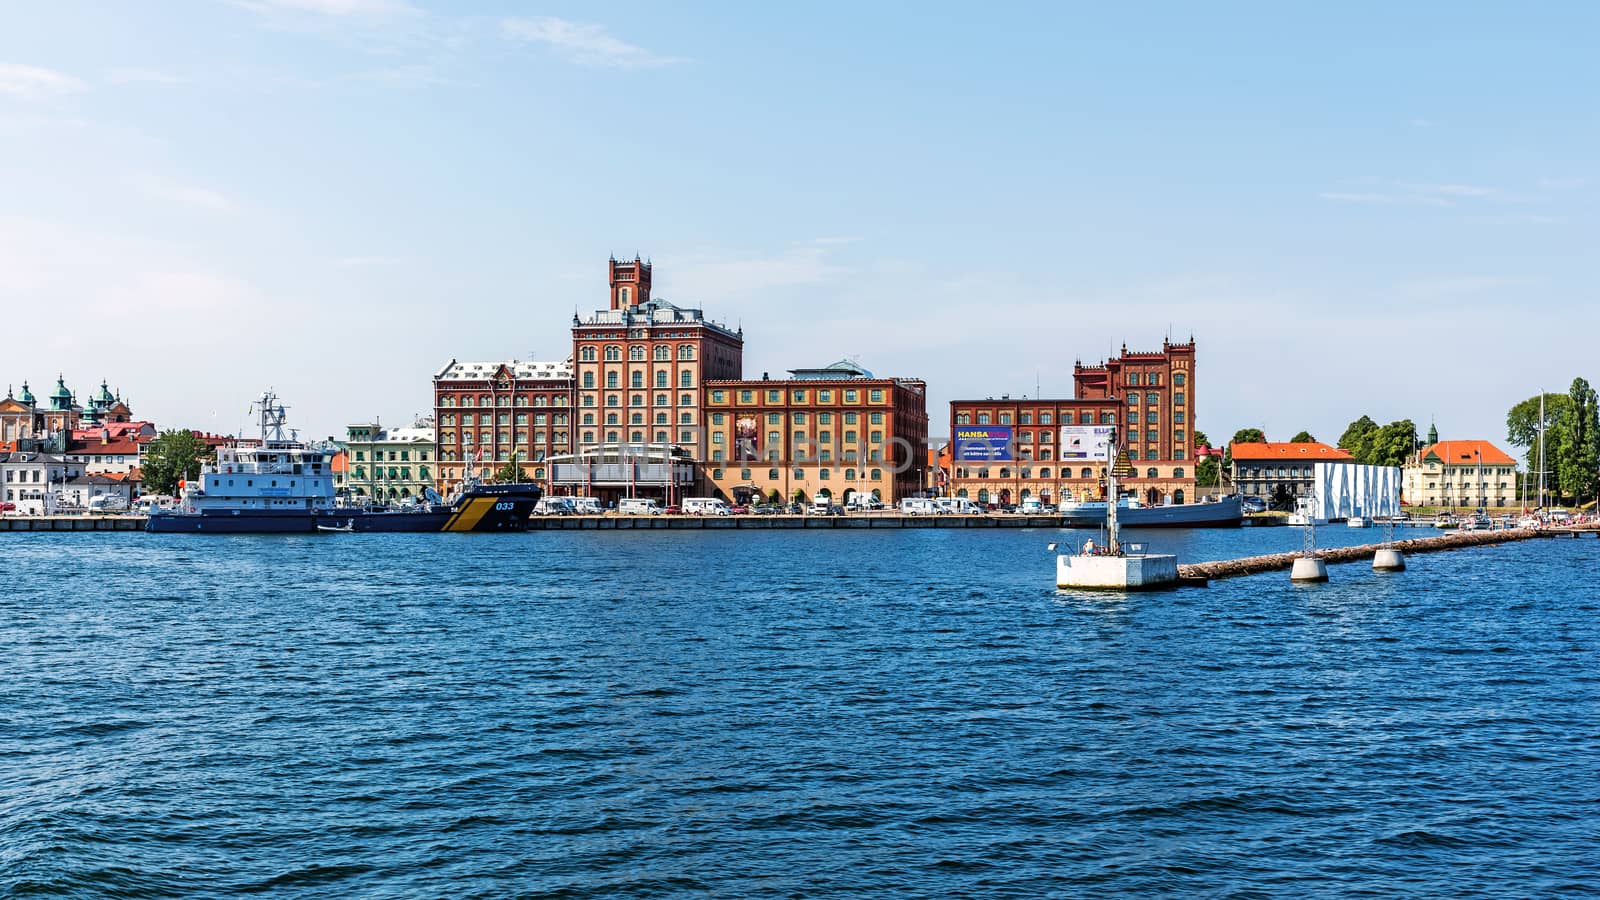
(1457, 453)
(1313, 451)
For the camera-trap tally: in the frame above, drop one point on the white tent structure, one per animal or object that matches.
(1344, 490)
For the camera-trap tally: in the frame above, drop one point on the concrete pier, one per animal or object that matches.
(1278, 562)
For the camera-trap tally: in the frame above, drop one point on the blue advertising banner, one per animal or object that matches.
(983, 443)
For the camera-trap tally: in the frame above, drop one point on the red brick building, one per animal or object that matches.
(1148, 396)
(831, 431)
(489, 413)
(639, 367)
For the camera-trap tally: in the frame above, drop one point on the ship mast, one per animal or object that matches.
(1112, 544)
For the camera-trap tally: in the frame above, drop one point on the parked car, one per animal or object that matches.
(1253, 504)
(6, 507)
(766, 509)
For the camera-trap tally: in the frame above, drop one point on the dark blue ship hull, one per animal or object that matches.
(487, 507)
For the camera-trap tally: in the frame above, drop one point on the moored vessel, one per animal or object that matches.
(1226, 512)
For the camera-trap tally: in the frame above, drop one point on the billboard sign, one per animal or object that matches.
(983, 443)
(747, 438)
(1088, 442)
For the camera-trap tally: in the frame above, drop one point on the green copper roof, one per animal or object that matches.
(105, 396)
(27, 395)
(61, 398)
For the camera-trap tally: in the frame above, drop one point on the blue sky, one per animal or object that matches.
(1356, 209)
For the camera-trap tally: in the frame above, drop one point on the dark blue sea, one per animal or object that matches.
(787, 714)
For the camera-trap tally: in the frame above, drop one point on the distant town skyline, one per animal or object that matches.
(1361, 210)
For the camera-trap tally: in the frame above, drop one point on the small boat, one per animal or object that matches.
(346, 528)
(1305, 513)
(1358, 522)
(1445, 520)
(1478, 523)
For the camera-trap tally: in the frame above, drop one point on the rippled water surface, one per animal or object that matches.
(906, 713)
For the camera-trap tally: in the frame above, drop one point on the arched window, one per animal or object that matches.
(613, 353)
(661, 437)
(638, 437)
(1086, 473)
(663, 352)
(685, 379)
(876, 475)
(611, 437)
(636, 353)
(638, 379)
(772, 474)
(849, 474)
(1044, 472)
(611, 418)
(1151, 473)
(611, 379)
(586, 354)
(1177, 495)
(962, 493)
(686, 351)
(1178, 472)
(588, 379)
(613, 401)
(466, 401)
(1178, 380)
(588, 418)
(983, 496)
(685, 399)
(661, 379)
(622, 294)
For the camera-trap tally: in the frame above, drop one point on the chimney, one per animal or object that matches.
(105, 436)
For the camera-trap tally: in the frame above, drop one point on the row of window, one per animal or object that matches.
(874, 395)
(1083, 418)
(398, 456)
(636, 353)
(452, 400)
(1154, 378)
(1152, 399)
(1465, 486)
(662, 380)
(1152, 417)
(401, 473)
(448, 438)
(1044, 472)
(504, 419)
(800, 474)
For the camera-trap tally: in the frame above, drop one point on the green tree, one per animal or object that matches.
(1207, 469)
(1358, 438)
(1303, 437)
(510, 473)
(1394, 443)
(1576, 457)
(1242, 436)
(1522, 429)
(173, 456)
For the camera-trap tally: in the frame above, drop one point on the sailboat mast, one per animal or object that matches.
(1540, 504)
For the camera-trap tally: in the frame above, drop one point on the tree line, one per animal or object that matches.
(1570, 439)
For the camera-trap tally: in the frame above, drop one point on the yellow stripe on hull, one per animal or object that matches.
(469, 516)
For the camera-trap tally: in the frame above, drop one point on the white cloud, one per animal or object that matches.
(1382, 199)
(166, 190)
(1561, 184)
(589, 45)
(32, 82)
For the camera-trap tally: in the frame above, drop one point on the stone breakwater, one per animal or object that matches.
(1278, 562)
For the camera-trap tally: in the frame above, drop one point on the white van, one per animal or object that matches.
(638, 506)
(821, 506)
(1031, 506)
(586, 506)
(919, 506)
(705, 506)
(960, 506)
(553, 506)
(864, 502)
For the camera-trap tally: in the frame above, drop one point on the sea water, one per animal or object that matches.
(912, 713)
